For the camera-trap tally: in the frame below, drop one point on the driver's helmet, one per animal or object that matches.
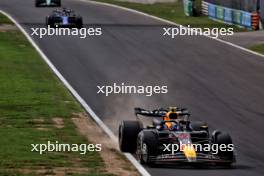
(171, 115)
(65, 10)
(57, 11)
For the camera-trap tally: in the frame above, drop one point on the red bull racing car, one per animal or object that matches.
(174, 138)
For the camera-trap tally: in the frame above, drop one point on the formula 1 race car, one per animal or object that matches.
(64, 18)
(48, 3)
(172, 138)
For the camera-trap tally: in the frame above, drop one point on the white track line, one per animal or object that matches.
(107, 130)
(170, 22)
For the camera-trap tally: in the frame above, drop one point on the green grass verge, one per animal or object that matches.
(173, 12)
(4, 20)
(258, 48)
(30, 91)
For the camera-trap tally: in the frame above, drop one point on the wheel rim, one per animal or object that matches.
(138, 152)
(142, 151)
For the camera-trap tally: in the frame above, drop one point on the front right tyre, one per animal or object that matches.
(128, 133)
(79, 22)
(50, 22)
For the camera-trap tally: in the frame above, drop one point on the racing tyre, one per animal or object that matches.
(79, 22)
(50, 22)
(128, 132)
(37, 3)
(58, 2)
(221, 138)
(147, 147)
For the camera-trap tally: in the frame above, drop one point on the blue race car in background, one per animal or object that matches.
(48, 3)
(64, 18)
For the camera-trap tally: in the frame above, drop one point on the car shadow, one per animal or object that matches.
(203, 167)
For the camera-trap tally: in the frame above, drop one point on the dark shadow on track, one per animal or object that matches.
(203, 167)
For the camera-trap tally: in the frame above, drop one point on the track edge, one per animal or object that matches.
(88, 109)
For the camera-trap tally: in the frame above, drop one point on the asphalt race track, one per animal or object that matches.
(220, 84)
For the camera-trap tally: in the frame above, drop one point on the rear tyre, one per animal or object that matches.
(59, 3)
(37, 3)
(128, 132)
(224, 139)
(147, 147)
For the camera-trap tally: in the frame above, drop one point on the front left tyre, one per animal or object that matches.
(128, 132)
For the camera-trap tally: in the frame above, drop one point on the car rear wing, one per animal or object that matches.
(159, 112)
(140, 111)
